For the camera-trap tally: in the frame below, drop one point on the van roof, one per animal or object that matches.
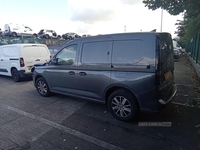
(120, 35)
(22, 45)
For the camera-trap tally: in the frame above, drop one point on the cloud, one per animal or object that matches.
(113, 16)
(131, 2)
(89, 15)
(93, 11)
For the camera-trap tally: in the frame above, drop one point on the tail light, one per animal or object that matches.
(21, 61)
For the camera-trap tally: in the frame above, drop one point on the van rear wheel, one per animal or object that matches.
(123, 105)
(15, 75)
(42, 87)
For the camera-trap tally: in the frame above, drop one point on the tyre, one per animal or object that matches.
(58, 37)
(15, 75)
(123, 105)
(34, 35)
(47, 36)
(14, 34)
(42, 87)
(70, 38)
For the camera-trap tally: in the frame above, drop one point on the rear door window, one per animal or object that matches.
(31, 52)
(166, 48)
(43, 51)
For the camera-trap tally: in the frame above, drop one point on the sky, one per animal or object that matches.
(86, 16)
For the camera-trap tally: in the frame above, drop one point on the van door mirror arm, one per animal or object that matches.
(54, 61)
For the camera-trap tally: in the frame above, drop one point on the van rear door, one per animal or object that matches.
(34, 54)
(165, 68)
(166, 59)
(9, 57)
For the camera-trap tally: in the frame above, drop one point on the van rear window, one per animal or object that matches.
(43, 51)
(31, 52)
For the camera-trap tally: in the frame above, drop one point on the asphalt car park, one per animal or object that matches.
(29, 121)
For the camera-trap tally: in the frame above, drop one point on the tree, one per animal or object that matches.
(174, 7)
(180, 28)
(188, 27)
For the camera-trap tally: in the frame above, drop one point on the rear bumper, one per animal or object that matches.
(155, 101)
(161, 101)
(24, 74)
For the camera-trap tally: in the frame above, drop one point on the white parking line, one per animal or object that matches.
(66, 129)
(182, 95)
(183, 104)
(184, 85)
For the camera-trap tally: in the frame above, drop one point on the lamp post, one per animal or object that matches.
(161, 20)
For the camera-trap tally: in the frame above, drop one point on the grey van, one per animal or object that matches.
(130, 72)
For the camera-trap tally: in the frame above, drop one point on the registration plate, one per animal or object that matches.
(168, 75)
(29, 68)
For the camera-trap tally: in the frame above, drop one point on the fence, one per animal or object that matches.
(194, 48)
(49, 42)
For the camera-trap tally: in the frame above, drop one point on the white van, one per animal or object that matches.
(176, 45)
(16, 60)
(14, 30)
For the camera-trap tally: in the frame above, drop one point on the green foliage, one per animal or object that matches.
(192, 26)
(194, 102)
(174, 7)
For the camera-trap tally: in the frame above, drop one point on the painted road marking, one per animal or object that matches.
(66, 129)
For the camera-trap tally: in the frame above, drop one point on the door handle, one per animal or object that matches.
(82, 73)
(1, 59)
(71, 73)
(37, 60)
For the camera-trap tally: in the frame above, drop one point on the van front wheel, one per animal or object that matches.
(42, 87)
(15, 75)
(123, 105)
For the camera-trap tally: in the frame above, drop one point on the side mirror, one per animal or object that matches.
(54, 61)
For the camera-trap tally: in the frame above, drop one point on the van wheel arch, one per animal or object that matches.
(15, 75)
(111, 90)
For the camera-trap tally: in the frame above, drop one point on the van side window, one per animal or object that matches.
(0, 53)
(128, 52)
(67, 56)
(10, 51)
(27, 29)
(96, 52)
